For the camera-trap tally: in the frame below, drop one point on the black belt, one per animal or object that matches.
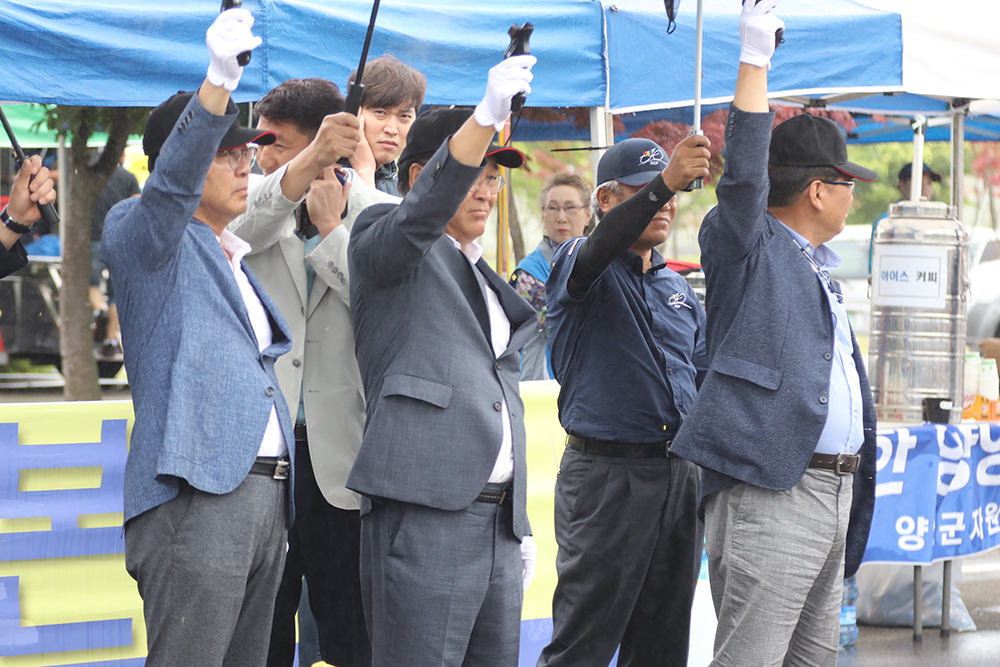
(272, 466)
(628, 450)
(842, 464)
(300, 433)
(497, 494)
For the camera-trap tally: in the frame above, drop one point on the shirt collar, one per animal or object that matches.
(473, 250)
(634, 261)
(825, 258)
(234, 245)
(386, 171)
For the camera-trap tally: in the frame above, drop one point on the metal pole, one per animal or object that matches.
(917, 172)
(602, 133)
(946, 601)
(696, 126)
(958, 162)
(918, 602)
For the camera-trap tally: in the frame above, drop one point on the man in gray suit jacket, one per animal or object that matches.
(438, 338)
(784, 423)
(298, 237)
(207, 490)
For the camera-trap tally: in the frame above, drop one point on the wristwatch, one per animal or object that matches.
(12, 224)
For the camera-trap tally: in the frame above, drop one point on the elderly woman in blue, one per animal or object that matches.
(565, 202)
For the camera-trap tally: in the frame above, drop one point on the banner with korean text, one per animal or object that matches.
(937, 493)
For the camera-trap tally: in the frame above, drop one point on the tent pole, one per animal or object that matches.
(958, 162)
(602, 134)
(63, 193)
(917, 173)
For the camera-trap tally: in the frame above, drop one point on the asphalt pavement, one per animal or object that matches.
(894, 647)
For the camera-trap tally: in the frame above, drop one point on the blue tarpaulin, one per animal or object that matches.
(591, 53)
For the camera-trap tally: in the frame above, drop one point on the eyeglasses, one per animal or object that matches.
(553, 209)
(493, 183)
(237, 156)
(849, 184)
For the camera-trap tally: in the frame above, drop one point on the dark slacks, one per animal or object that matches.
(324, 545)
(442, 589)
(629, 551)
(208, 568)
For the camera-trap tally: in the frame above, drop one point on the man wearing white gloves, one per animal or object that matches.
(445, 538)
(784, 424)
(207, 485)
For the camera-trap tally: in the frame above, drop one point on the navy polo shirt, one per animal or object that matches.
(627, 354)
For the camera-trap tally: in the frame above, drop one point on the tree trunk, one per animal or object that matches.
(79, 367)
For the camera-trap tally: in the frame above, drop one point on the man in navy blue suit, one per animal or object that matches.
(784, 423)
(207, 489)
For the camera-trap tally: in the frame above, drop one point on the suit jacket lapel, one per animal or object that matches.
(294, 252)
(521, 315)
(465, 276)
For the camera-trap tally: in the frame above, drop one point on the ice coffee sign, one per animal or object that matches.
(911, 277)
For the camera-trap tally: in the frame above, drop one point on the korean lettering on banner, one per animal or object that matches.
(64, 591)
(937, 493)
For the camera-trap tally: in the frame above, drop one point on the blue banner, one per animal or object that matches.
(938, 493)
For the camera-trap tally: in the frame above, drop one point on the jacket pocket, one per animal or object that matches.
(769, 378)
(412, 386)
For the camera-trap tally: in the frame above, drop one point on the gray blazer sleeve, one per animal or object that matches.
(151, 230)
(388, 242)
(739, 223)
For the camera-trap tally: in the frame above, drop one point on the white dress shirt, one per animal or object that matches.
(503, 469)
(273, 443)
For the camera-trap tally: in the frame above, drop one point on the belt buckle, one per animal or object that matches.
(281, 469)
(841, 459)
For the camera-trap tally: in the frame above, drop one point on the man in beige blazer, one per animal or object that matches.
(298, 223)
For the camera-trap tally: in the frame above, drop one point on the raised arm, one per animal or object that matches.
(622, 226)
(150, 231)
(388, 245)
(735, 226)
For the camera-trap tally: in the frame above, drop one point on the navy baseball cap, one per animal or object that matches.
(906, 173)
(813, 141)
(163, 118)
(632, 162)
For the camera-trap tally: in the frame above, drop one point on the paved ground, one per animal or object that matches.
(894, 647)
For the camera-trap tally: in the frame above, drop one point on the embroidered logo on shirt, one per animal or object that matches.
(678, 299)
(652, 197)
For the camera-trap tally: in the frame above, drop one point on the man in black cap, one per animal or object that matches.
(207, 490)
(628, 349)
(784, 424)
(445, 539)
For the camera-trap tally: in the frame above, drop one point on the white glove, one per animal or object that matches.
(757, 32)
(529, 556)
(507, 79)
(228, 37)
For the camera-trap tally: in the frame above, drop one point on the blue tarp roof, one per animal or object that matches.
(129, 53)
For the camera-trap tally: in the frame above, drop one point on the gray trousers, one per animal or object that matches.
(776, 565)
(440, 588)
(208, 568)
(629, 552)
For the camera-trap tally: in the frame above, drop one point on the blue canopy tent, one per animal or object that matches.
(592, 54)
